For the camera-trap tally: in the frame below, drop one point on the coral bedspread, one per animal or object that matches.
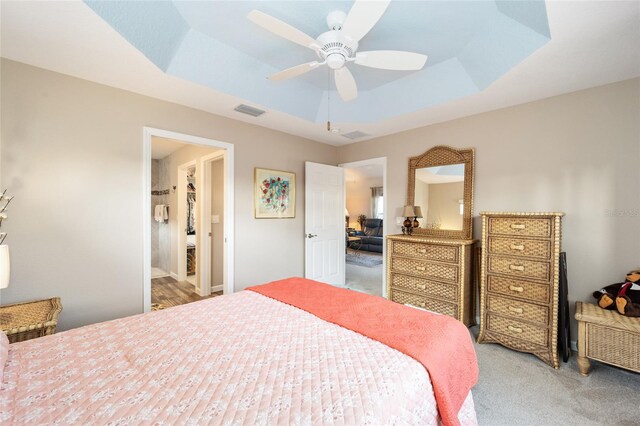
(440, 343)
(238, 359)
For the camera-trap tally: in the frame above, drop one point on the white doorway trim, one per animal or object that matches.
(204, 222)
(385, 222)
(181, 193)
(229, 237)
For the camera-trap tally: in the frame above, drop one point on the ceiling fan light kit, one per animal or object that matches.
(338, 46)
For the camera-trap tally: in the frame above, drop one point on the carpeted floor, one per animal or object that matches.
(361, 259)
(364, 278)
(518, 389)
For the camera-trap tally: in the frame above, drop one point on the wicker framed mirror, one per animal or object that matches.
(441, 184)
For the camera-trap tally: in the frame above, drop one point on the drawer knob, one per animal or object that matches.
(421, 268)
(517, 267)
(517, 289)
(517, 226)
(514, 329)
(421, 286)
(420, 304)
(516, 310)
(517, 247)
(421, 251)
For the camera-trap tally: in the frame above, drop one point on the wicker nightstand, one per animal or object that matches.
(24, 321)
(608, 337)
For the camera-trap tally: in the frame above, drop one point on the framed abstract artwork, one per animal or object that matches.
(275, 194)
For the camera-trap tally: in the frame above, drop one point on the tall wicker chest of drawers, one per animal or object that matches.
(432, 273)
(519, 282)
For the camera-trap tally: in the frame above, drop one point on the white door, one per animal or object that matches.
(324, 223)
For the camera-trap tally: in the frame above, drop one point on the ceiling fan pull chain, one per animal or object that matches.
(328, 100)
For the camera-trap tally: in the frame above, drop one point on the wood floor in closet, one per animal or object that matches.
(170, 292)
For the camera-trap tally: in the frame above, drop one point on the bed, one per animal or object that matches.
(244, 358)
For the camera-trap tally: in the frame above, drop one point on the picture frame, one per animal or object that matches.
(274, 194)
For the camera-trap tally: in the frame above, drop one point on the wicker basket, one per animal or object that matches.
(608, 337)
(24, 321)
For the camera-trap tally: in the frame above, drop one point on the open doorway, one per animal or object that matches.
(188, 249)
(365, 201)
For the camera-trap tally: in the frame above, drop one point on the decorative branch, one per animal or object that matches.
(7, 199)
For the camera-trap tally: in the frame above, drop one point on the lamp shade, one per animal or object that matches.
(408, 211)
(346, 212)
(418, 211)
(5, 266)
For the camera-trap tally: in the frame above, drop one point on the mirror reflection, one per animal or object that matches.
(439, 192)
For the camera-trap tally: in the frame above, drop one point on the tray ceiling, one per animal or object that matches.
(469, 44)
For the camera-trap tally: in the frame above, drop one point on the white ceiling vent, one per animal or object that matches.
(355, 135)
(246, 109)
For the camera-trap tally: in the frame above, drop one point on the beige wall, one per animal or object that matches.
(72, 156)
(421, 199)
(442, 206)
(358, 197)
(577, 153)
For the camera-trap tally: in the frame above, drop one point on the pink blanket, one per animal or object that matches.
(440, 343)
(241, 359)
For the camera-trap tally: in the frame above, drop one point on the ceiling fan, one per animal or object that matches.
(338, 46)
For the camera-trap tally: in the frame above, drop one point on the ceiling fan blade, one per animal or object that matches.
(282, 29)
(294, 71)
(391, 60)
(362, 17)
(346, 84)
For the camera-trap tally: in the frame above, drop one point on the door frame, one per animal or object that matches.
(385, 222)
(229, 233)
(204, 220)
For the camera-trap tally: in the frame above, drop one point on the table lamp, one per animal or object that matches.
(407, 212)
(417, 210)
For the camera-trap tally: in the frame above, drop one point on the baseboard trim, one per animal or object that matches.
(174, 275)
(215, 288)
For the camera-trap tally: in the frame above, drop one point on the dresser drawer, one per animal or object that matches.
(438, 271)
(520, 247)
(538, 227)
(519, 267)
(517, 309)
(424, 286)
(432, 305)
(518, 329)
(441, 253)
(518, 288)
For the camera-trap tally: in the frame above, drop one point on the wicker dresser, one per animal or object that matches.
(431, 273)
(25, 321)
(519, 282)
